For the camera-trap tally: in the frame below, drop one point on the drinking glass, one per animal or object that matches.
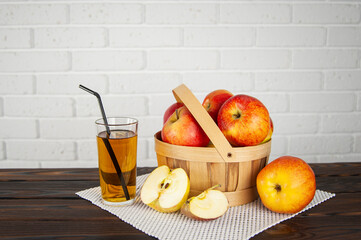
(123, 142)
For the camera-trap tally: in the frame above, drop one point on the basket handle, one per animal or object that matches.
(183, 94)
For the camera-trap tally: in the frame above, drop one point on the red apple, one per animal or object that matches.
(270, 132)
(170, 110)
(244, 120)
(214, 100)
(286, 185)
(182, 129)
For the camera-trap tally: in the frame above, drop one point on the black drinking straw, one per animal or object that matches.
(107, 143)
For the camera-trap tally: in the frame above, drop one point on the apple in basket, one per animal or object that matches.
(244, 120)
(270, 132)
(170, 110)
(182, 129)
(165, 190)
(208, 205)
(214, 100)
(286, 185)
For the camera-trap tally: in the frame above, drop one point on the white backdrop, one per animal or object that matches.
(300, 58)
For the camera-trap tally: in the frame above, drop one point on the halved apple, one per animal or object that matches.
(208, 205)
(165, 190)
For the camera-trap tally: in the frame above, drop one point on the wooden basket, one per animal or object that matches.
(235, 168)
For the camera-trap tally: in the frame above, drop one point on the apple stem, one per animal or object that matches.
(203, 194)
(215, 186)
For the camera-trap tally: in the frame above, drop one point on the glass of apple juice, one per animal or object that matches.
(118, 183)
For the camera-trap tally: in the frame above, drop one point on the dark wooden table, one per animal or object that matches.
(41, 204)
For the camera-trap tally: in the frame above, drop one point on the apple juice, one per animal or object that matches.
(124, 145)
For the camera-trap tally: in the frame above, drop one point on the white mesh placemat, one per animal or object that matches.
(242, 222)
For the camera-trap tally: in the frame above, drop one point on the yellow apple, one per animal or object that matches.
(165, 190)
(208, 205)
(286, 185)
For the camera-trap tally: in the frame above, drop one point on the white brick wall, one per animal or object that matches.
(34, 61)
(15, 38)
(302, 59)
(74, 37)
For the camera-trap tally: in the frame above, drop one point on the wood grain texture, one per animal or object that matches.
(41, 204)
(209, 154)
(237, 174)
(183, 94)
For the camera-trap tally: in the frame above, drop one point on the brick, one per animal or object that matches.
(358, 143)
(37, 106)
(19, 164)
(210, 81)
(344, 36)
(70, 164)
(320, 144)
(255, 59)
(15, 38)
(34, 61)
(151, 150)
(67, 128)
(145, 37)
(326, 13)
(255, 13)
(343, 80)
(149, 125)
(40, 150)
(18, 128)
(143, 82)
(2, 150)
(87, 149)
(323, 58)
(105, 13)
(158, 104)
(279, 145)
(69, 83)
(322, 102)
(275, 102)
(142, 150)
(288, 81)
(192, 13)
(77, 37)
(107, 60)
(291, 36)
(147, 163)
(339, 158)
(341, 123)
(183, 59)
(287, 124)
(1, 106)
(16, 84)
(219, 36)
(29, 14)
(125, 105)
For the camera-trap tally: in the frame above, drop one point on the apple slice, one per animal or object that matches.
(208, 205)
(165, 190)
